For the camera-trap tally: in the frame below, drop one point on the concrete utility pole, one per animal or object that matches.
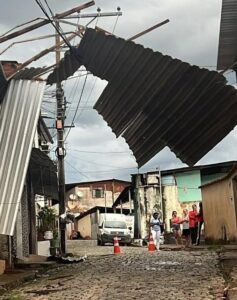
(60, 147)
(60, 134)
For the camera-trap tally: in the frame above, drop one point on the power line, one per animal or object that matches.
(108, 171)
(72, 94)
(26, 23)
(49, 111)
(100, 152)
(56, 28)
(77, 107)
(76, 169)
(94, 163)
(88, 97)
(72, 77)
(75, 118)
(46, 2)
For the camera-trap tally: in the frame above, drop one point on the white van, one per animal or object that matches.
(113, 225)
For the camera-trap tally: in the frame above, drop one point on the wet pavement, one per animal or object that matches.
(135, 274)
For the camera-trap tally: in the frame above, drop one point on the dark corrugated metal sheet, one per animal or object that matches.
(3, 84)
(154, 101)
(29, 73)
(26, 74)
(227, 53)
(67, 67)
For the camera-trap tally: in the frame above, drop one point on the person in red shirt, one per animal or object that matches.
(176, 228)
(200, 222)
(193, 224)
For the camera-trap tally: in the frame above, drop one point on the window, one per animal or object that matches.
(98, 193)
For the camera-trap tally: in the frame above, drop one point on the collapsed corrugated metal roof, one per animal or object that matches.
(67, 67)
(227, 52)
(29, 73)
(155, 101)
(3, 84)
(8, 68)
(19, 115)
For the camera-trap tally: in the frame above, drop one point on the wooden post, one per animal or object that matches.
(44, 22)
(42, 53)
(105, 198)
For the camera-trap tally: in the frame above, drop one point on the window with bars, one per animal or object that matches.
(98, 193)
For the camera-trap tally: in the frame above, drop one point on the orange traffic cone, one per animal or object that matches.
(116, 246)
(151, 245)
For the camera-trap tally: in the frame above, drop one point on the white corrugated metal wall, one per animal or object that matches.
(19, 115)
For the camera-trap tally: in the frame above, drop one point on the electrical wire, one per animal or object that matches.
(95, 163)
(108, 171)
(98, 152)
(72, 77)
(72, 94)
(114, 27)
(76, 169)
(81, 112)
(57, 28)
(49, 111)
(29, 40)
(74, 88)
(46, 2)
(26, 23)
(83, 88)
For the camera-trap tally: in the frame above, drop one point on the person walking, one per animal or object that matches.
(176, 228)
(200, 222)
(156, 229)
(186, 230)
(193, 224)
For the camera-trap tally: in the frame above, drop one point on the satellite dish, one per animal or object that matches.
(71, 204)
(79, 194)
(73, 197)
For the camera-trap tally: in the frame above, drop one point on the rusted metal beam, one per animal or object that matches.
(46, 70)
(139, 34)
(42, 53)
(148, 30)
(44, 22)
(67, 22)
(31, 40)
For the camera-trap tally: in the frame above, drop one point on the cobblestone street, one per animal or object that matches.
(135, 274)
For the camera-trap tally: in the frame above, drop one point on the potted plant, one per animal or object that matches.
(54, 243)
(46, 222)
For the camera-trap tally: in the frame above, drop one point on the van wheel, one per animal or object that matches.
(98, 242)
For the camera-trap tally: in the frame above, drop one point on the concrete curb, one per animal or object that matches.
(11, 280)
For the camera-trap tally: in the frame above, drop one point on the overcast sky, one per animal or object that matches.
(93, 152)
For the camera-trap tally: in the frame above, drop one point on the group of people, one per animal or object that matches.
(188, 226)
(191, 222)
